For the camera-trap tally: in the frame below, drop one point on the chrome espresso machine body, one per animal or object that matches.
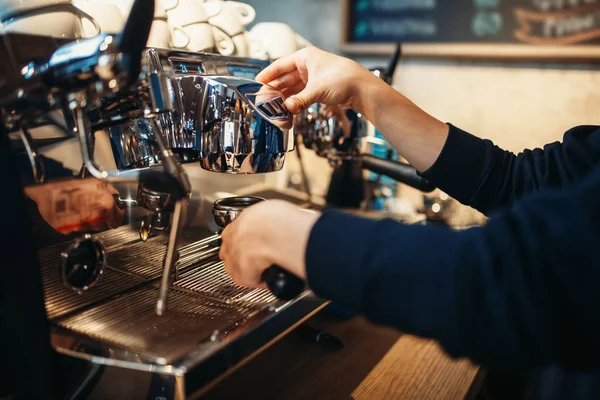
(111, 295)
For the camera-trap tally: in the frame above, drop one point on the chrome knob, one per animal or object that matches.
(82, 264)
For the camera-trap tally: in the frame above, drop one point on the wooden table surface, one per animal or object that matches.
(375, 363)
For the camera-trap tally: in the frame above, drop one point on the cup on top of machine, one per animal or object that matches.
(13, 8)
(275, 39)
(58, 20)
(166, 35)
(230, 19)
(108, 16)
(190, 19)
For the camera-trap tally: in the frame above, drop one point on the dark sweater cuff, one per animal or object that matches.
(337, 243)
(462, 165)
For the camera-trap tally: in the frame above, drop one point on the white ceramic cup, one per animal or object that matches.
(244, 12)
(276, 39)
(165, 36)
(230, 18)
(191, 22)
(186, 12)
(10, 8)
(64, 21)
(225, 16)
(223, 42)
(242, 47)
(255, 48)
(160, 12)
(302, 43)
(161, 33)
(108, 16)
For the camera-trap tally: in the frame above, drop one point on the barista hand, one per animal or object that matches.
(77, 205)
(314, 76)
(271, 232)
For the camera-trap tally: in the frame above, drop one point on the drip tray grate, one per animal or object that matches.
(130, 263)
(120, 308)
(61, 300)
(130, 322)
(212, 281)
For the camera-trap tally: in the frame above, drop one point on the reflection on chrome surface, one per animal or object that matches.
(238, 125)
(133, 144)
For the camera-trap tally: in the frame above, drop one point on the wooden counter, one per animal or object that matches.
(376, 363)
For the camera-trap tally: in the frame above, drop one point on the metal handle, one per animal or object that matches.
(282, 283)
(401, 172)
(134, 37)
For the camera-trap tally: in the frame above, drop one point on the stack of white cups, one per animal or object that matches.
(274, 40)
(54, 18)
(190, 22)
(191, 25)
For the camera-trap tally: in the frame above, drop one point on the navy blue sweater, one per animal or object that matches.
(521, 292)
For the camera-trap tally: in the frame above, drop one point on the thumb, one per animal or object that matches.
(301, 101)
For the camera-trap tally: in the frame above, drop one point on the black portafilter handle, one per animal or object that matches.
(284, 285)
(400, 172)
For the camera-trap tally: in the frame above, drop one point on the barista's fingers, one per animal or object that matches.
(115, 217)
(301, 101)
(250, 273)
(234, 273)
(287, 80)
(290, 91)
(223, 251)
(276, 69)
(229, 264)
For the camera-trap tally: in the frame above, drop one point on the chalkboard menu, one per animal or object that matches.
(488, 28)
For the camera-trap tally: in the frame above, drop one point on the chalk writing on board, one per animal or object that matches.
(558, 5)
(487, 24)
(421, 27)
(488, 20)
(537, 22)
(481, 4)
(395, 5)
(569, 26)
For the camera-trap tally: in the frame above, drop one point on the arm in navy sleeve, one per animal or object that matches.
(479, 174)
(522, 291)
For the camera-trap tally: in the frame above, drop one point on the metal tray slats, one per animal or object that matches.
(141, 259)
(211, 280)
(130, 321)
(120, 236)
(130, 262)
(61, 300)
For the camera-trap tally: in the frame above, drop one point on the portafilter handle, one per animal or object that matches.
(283, 284)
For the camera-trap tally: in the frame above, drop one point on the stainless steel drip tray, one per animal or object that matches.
(130, 322)
(131, 263)
(202, 304)
(210, 326)
(198, 341)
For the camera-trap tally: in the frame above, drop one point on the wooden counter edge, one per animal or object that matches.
(416, 368)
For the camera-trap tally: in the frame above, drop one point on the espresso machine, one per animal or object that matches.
(105, 291)
(342, 136)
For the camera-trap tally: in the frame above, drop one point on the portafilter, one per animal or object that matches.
(243, 126)
(280, 282)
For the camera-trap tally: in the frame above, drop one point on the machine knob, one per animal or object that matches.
(82, 263)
